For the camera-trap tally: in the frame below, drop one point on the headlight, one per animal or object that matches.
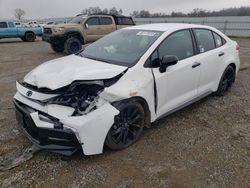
(82, 97)
(58, 29)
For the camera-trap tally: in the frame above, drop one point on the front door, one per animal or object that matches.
(4, 29)
(93, 29)
(179, 83)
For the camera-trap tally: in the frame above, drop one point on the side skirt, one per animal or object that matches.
(185, 104)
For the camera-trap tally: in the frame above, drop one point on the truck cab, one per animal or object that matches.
(8, 30)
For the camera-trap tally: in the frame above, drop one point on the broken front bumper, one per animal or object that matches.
(53, 128)
(56, 140)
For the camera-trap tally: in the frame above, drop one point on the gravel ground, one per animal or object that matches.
(204, 145)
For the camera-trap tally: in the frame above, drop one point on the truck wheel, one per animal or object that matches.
(30, 37)
(58, 48)
(72, 45)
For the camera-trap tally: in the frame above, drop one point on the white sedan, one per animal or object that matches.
(107, 93)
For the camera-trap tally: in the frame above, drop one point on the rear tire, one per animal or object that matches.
(226, 81)
(58, 48)
(127, 127)
(30, 37)
(72, 45)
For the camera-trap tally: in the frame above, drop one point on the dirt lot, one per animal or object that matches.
(205, 145)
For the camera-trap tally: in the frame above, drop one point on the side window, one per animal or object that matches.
(3, 25)
(155, 60)
(125, 21)
(11, 24)
(179, 44)
(205, 40)
(93, 21)
(106, 21)
(218, 40)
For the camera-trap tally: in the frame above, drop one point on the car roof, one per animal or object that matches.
(167, 26)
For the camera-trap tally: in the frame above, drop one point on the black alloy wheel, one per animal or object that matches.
(72, 45)
(226, 81)
(127, 127)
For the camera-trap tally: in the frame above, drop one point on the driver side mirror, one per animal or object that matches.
(168, 60)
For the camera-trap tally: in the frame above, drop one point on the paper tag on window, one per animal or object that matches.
(146, 33)
(202, 49)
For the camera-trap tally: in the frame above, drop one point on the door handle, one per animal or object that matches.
(221, 54)
(196, 65)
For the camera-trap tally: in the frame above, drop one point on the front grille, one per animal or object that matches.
(47, 31)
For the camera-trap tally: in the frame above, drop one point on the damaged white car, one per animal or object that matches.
(107, 94)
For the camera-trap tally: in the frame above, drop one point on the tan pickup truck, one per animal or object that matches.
(83, 29)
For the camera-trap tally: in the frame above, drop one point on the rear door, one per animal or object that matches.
(107, 25)
(179, 83)
(4, 32)
(211, 55)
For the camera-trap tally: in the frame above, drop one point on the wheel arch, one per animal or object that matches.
(232, 64)
(75, 34)
(143, 103)
(26, 32)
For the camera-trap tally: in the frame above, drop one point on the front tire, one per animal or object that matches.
(72, 45)
(58, 48)
(127, 127)
(226, 82)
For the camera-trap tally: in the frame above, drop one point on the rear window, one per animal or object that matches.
(124, 21)
(205, 40)
(3, 25)
(219, 41)
(11, 24)
(106, 21)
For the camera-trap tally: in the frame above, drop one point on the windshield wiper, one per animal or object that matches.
(96, 59)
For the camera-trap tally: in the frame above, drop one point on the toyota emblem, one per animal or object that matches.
(29, 93)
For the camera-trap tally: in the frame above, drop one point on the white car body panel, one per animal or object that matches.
(93, 128)
(163, 92)
(39, 123)
(63, 71)
(177, 86)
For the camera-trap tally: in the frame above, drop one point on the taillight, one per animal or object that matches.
(238, 47)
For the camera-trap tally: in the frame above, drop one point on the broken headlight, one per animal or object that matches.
(80, 96)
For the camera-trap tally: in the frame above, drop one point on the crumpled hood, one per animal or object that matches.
(63, 71)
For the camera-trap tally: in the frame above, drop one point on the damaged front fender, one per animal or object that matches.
(93, 128)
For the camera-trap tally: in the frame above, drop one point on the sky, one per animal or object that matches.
(36, 9)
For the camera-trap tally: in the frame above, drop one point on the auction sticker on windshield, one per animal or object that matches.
(146, 33)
